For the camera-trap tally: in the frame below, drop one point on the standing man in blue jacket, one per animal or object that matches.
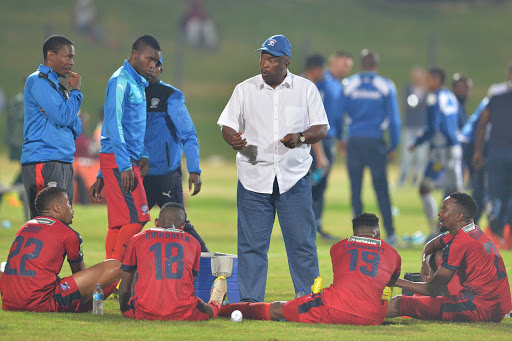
(372, 106)
(444, 168)
(122, 155)
(169, 132)
(51, 122)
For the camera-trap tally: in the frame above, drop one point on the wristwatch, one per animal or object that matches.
(302, 139)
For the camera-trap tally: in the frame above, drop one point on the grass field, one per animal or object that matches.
(213, 212)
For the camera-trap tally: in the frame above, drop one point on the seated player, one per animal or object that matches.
(467, 253)
(30, 280)
(166, 259)
(363, 266)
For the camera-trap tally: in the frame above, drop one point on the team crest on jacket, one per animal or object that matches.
(154, 103)
(144, 208)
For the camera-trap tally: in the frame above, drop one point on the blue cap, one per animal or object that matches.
(277, 45)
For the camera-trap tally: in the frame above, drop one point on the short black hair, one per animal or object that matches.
(369, 59)
(436, 71)
(341, 53)
(314, 61)
(54, 43)
(46, 198)
(365, 221)
(179, 219)
(466, 203)
(144, 41)
(459, 78)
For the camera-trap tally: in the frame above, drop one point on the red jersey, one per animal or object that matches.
(166, 261)
(480, 268)
(35, 259)
(362, 268)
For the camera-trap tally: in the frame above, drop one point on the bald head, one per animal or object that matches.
(171, 215)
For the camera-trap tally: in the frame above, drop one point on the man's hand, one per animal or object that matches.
(478, 160)
(342, 148)
(291, 140)
(194, 179)
(237, 142)
(127, 181)
(95, 190)
(412, 148)
(144, 166)
(74, 81)
(426, 273)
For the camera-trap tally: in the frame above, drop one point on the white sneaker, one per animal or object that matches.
(219, 290)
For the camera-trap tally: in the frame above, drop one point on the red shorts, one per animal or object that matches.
(123, 208)
(446, 308)
(64, 297)
(310, 309)
(197, 313)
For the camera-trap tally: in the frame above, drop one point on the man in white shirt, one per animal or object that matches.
(271, 120)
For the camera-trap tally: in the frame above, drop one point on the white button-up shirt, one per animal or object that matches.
(265, 116)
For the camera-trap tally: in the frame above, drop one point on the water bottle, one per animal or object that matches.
(317, 176)
(97, 300)
(300, 293)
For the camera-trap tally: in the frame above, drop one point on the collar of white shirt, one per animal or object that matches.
(286, 83)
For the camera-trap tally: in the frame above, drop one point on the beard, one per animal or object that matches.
(443, 228)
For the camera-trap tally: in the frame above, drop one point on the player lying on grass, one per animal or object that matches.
(363, 266)
(166, 259)
(30, 280)
(468, 253)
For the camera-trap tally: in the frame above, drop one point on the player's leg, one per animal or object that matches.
(105, 274)
(255, 311)
(33, 182)
(496, 180)
(110, 241)
(171, 190)
(377, 161)
(355, 166)
(429, 203)
(150, 187)
(256, 214)
(299, 233)
(420, 307)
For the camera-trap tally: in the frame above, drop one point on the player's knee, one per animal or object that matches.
(275, 311)
(394, 307)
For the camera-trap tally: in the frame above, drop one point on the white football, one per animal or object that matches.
(236, 316)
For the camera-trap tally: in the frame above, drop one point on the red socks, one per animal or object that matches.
(125, 234)
(110, 242)
(251, 311)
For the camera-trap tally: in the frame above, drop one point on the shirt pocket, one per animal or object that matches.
(296, 119)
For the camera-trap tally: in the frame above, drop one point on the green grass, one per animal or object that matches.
(213, 212)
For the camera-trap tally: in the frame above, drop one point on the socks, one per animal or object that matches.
(430, 208)
(251, 311)
(110, 242)
(216, 308)
(125, 234)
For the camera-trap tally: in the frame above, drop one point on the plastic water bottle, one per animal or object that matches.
(317, 176)
(97, 301)
(300, 293)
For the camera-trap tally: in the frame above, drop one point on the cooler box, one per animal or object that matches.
(204, 280)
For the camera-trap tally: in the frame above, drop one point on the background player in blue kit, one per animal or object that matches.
(169, 132)
(444, 169)
(372, 106)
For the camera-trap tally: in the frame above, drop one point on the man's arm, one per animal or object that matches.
(312, 135)
(53, 105)
(77, 267)
(125, 289)
(394, 117)
(433, 288)
(429, 251)
(233, 138)
(478, 157)
(320, 157)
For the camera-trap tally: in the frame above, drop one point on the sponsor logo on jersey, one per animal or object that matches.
(144, 208)
(364, 240)
(52, 184)
(271, 42)
(154, 103)
(65, 286)
(45, 221)
(469, 228)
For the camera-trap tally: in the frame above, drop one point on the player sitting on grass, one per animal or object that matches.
(468, 253)
(363, 266)
(30, 280)
(166, 259)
